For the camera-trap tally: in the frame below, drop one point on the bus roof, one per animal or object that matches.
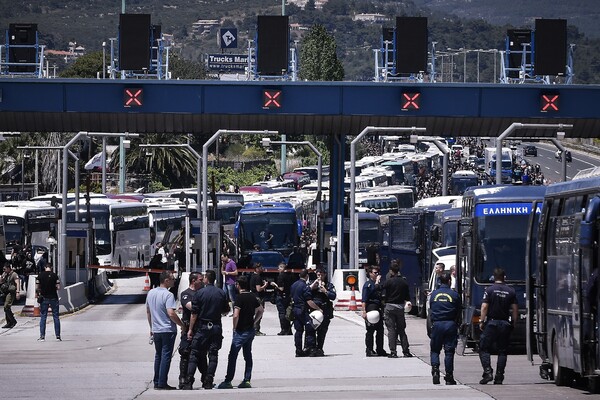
(578, 185)
(267, 206)
(482, 194)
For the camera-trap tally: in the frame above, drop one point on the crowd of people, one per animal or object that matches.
(305, 302)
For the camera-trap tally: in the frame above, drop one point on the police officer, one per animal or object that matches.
(323, 293)
(205, 331)
(397, 295)
(444, 309)
(499, 312)
(196, 283)
(303, 305)
(371, 300)
(285, 279)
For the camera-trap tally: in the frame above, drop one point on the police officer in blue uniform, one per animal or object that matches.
(371, 300)
(205, 331)
(185, 348)
(324, 294)
(444, 310)
(499, 312)
(303, 305)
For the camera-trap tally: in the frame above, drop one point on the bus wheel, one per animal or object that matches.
(561, 377)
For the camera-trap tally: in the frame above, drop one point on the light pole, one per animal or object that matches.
(205, 183)
(352, 207)
(62, 254)
(103, 60)
(183, 198)
(189, 148)
(24, 155)
(514, 126)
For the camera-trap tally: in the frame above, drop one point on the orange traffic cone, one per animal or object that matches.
(352, 306)
(146, 283)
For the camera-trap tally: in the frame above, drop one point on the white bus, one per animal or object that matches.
(121, 233)
(28, 223)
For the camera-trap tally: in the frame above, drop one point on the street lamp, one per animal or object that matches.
(62, 254)
(103, 60)
(183, 198)
(199, 197)
(352, 212)
(24, 155)
(205, 183)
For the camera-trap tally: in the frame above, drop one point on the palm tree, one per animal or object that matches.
(172, 167)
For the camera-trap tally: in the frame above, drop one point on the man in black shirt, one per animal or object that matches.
(258, 286)
(396, 294)
(47, 285)
(205, 331)
(185, 349)
(247, 309)
(499, 312)
(285, 279)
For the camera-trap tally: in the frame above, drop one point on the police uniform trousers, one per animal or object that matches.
(302, 325)
(444, 334)
(206, 341)
(185, 350)
(282, 303)
(321, 332)
(495, 332)
(377, 330)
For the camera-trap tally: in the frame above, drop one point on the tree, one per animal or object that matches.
(86, 66)
(318, 58)
(184, 69)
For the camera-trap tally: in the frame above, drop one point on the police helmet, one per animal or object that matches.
(316, 317)
(373, 317)
(407, 307)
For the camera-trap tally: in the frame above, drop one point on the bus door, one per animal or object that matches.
(588, 261)
(530, 283)
(463, 279)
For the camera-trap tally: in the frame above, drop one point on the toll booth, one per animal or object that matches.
(214, 246)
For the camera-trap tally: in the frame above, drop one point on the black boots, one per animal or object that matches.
(449, 378)
(435, 373)
(498, 379)
(488, 376)
(207, 383)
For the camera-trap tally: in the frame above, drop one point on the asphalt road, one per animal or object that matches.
(105, 355)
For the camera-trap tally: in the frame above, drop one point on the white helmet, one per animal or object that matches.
(407, 307)
(373, 317)
(316, 317)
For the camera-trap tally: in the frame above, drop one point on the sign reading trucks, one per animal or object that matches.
(227, 62)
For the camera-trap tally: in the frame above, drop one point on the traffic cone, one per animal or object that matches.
(146, 283)
(36, 309)
(352, 306)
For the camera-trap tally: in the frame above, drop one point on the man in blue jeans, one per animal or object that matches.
(47, 286)
(247, 309)
(162, 318)
(230, 273)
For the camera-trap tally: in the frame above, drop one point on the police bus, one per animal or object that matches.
(492, 233)
(28, 223)
(563, 299)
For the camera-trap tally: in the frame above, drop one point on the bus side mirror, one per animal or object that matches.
(586, 238)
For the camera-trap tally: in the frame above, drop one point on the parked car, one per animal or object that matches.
(530, 150)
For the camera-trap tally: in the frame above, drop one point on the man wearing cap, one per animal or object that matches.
(371, 301)
(303, 305)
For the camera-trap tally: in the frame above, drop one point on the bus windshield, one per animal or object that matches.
(255, 229)
(449, 234)
(501, 244)
(368, 231)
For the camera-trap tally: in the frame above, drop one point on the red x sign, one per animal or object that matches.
(549, 102)
(411, 101)
(133, 97)
(272, 99)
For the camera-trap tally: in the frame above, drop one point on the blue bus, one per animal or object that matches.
(267, 226)
(564, 293)
(492, 232)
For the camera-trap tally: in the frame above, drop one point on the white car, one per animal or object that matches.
(446, 256)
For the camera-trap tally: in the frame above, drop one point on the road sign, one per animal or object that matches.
(77, 229)
(228, 38)
(133, 97)
(227, 62)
